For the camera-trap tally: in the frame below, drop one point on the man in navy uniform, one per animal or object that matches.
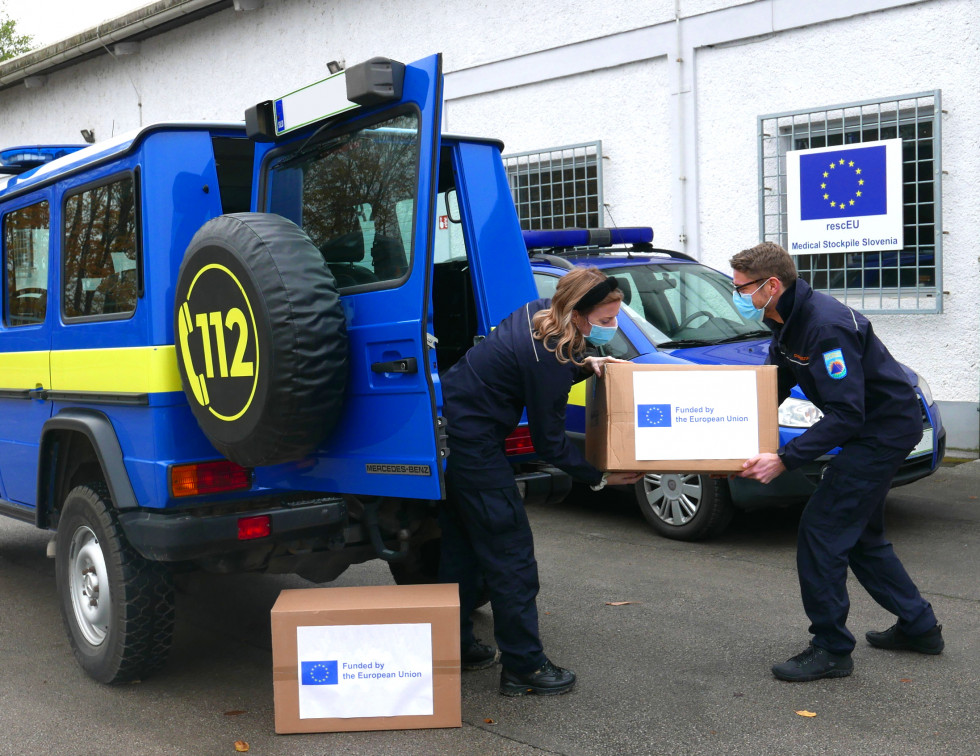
(870, 412)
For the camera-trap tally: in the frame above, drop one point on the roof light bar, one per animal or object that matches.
(587, 237)
(21, 159)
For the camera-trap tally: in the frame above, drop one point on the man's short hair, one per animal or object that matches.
(764, 261)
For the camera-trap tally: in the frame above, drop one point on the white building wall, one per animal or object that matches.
(674, 102)
(846, 61)
(635, 150)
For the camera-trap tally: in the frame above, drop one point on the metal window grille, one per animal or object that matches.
(557, 188)
(906, 280)
(21, 248)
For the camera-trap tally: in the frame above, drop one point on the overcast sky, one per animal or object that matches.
(53, 20)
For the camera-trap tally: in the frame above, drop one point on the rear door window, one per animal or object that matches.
(354, 195)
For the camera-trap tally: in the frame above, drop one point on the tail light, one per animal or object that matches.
(218, 476)
(519, 442)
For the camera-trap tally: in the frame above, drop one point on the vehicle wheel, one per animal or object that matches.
(118, 608)
(262, 338)
(685, 507)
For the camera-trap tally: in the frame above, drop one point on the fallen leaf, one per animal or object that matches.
(738, 695)
(806, 713)
(490, 721)
(241, 746)
(547, 612)
(905, 679)
(234, 712)
(619, 603)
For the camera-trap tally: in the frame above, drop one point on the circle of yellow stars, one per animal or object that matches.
(843, 165)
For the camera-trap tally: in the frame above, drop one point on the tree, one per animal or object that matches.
(12, 44)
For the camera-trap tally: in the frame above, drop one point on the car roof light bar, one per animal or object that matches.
(18, 160)
(587, 237)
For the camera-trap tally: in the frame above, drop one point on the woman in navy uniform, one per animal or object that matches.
(528, 361)
(870, 412)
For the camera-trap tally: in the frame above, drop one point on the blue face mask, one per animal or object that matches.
(600, 335)
(743, 303)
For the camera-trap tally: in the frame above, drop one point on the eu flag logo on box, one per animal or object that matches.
(318, 673)
(652, 415)
(845, 183)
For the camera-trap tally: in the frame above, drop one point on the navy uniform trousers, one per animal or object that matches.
(843, 524)
(487, 548)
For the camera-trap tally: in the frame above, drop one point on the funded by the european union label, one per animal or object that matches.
(711, 414)
(364, 670)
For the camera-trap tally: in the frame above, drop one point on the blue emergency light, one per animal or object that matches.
(22, 159)
(586, 237)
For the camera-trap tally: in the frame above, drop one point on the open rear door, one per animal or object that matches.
(361, 181)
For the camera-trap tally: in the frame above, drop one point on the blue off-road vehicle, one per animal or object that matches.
(221, 344)
(678, 309)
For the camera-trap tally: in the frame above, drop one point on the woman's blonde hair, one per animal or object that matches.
(554, 327)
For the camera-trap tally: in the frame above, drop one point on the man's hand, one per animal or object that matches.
(763, 468)
(596, 363)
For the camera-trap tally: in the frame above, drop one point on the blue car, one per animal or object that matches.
(676, 309)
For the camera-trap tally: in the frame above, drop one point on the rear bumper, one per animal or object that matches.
(185, 535)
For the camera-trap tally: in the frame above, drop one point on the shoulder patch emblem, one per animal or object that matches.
(836, 367)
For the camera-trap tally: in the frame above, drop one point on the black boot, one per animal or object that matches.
(477, 656)
(546, 680)
(814, 664)
(929, 642)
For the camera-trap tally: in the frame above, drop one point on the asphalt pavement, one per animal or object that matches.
(672, 643)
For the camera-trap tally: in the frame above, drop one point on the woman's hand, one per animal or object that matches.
(623, 478)
(595, 363)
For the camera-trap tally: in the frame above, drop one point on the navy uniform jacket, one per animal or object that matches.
(485, 393)
(844, 369)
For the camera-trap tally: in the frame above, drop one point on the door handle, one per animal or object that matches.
(406, 365)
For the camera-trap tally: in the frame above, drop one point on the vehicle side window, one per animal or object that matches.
(25, 244)
(354, 195)
(100, 273)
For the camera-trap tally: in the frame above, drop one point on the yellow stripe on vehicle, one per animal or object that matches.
(137, 370)
(24, 370)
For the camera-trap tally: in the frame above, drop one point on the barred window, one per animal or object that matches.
(906, 280)
(557, 188)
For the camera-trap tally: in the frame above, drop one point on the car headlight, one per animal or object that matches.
(798, 413)
(924, 388)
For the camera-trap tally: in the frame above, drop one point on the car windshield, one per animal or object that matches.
(683, 304)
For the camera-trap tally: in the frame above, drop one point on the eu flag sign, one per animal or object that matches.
(318, 672)
(848, 183)
(652, 415)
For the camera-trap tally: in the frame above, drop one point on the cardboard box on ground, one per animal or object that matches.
(680, 418)
(366, 658)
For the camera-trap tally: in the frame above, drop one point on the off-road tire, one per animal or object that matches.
(127, 632)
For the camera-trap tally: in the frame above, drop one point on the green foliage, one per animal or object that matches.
(12, 44)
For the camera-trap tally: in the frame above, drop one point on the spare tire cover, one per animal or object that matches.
(261, 338)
